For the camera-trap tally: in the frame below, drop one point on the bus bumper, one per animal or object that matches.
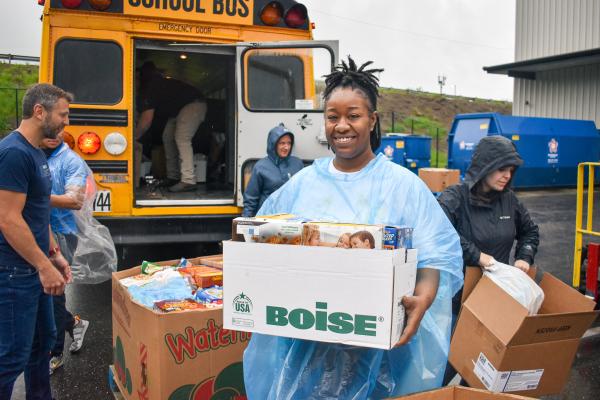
(127, 231)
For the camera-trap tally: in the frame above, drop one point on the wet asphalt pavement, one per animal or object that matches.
(84, 375)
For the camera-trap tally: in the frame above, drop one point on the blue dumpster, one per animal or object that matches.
(551, 148)
(393, 148)
(410, 151)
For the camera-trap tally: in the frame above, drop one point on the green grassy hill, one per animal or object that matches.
(14, 79)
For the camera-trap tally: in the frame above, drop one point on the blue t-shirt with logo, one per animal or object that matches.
(23, 169)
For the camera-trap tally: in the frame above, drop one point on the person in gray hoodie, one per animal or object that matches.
(271, 172)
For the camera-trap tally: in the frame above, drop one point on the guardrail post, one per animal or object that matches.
(578, 222)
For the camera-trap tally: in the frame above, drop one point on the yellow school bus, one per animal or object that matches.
(254, 61)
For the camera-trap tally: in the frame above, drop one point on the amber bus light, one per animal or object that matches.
(68, 139)
(296, 16)
(89, 143)
(100, 5)
(271, 13)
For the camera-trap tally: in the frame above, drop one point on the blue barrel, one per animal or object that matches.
(393, 148)
(551, 148)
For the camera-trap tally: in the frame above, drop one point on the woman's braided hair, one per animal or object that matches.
(360, 79)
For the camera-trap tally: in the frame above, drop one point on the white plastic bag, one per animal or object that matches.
(517, 284)
(95, 257)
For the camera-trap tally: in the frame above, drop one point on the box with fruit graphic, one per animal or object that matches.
(174, 356)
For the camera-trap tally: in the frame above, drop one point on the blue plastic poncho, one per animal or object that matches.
(280, 368)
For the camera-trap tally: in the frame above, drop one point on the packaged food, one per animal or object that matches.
(149, 268)
(203, 276)
(278, 229)
(330, 234)
(212, 295)
(136, 280)
(212, 261)
(177, 305)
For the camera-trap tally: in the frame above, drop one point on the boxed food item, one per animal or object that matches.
(273, 229)
(497, 346)
(346, 236)
(168, 355)
(318, 293)
(212, 261)
(438, 179)
(203, 276)
(461, 393)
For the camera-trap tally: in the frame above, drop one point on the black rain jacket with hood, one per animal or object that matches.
(490, 222)
(270, 173)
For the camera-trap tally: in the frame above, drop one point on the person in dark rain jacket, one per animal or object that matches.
(270, 173)
(487, 214)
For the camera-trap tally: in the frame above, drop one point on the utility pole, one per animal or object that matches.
(441, 82)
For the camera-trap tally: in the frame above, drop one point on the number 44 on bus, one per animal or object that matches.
(255, 64)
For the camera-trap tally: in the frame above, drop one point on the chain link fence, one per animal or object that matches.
(10, 109)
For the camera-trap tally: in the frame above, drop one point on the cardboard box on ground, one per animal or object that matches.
(461, 393)
(173, 356)
(496, 345)
(317, 293)
(438, 179)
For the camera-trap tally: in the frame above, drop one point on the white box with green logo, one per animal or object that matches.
(349, 296)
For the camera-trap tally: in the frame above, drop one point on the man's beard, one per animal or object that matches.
(51, 131)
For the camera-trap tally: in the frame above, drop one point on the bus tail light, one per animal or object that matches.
(68, 139)
(115, 143)
(71, 3)
(41, 2)
(271, 13)
(89, 143)
(296, 16)
(100, 5)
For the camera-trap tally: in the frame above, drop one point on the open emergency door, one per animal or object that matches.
(280, 82)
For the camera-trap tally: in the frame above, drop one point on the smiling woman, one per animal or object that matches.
(358, 187)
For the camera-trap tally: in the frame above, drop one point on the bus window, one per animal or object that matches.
(90, 69)
(284, 79)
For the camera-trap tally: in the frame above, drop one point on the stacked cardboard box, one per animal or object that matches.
(496, 345)
(438, 179)
(179, 355)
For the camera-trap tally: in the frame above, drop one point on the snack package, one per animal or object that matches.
(274, 229)
(345, 236)
(149, 268)
(136, 280)
(177, 305)
(210, 296)
(404, 237)
(202, 276)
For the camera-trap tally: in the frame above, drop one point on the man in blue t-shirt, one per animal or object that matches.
(31, 265)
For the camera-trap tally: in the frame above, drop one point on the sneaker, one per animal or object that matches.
(168, 182)
(56, 362)
(182, 187)
(79, 329)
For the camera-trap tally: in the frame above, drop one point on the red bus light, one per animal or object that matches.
(296, 16)
(271, 13)
(100, 5)
(71, 3)
(89, 143)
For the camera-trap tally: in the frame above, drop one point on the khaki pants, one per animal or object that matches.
(177, 140)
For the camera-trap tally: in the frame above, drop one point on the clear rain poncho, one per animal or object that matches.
(279, 368)
(92, 255)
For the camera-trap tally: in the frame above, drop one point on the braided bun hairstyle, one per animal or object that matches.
(361, 80)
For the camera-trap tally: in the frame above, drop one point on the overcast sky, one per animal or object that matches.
(414, 40)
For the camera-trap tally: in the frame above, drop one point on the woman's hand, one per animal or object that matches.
(522, 265)
(485, 260)
(425, 291)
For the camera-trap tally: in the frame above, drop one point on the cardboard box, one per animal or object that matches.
(461, 393)
(179, 355)
(496, 345)
(317, 293)
(438, 179)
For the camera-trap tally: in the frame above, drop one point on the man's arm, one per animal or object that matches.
(143, 124)
(73, 199)
(20, 238)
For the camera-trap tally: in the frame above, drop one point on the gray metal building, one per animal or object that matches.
(557, 59)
